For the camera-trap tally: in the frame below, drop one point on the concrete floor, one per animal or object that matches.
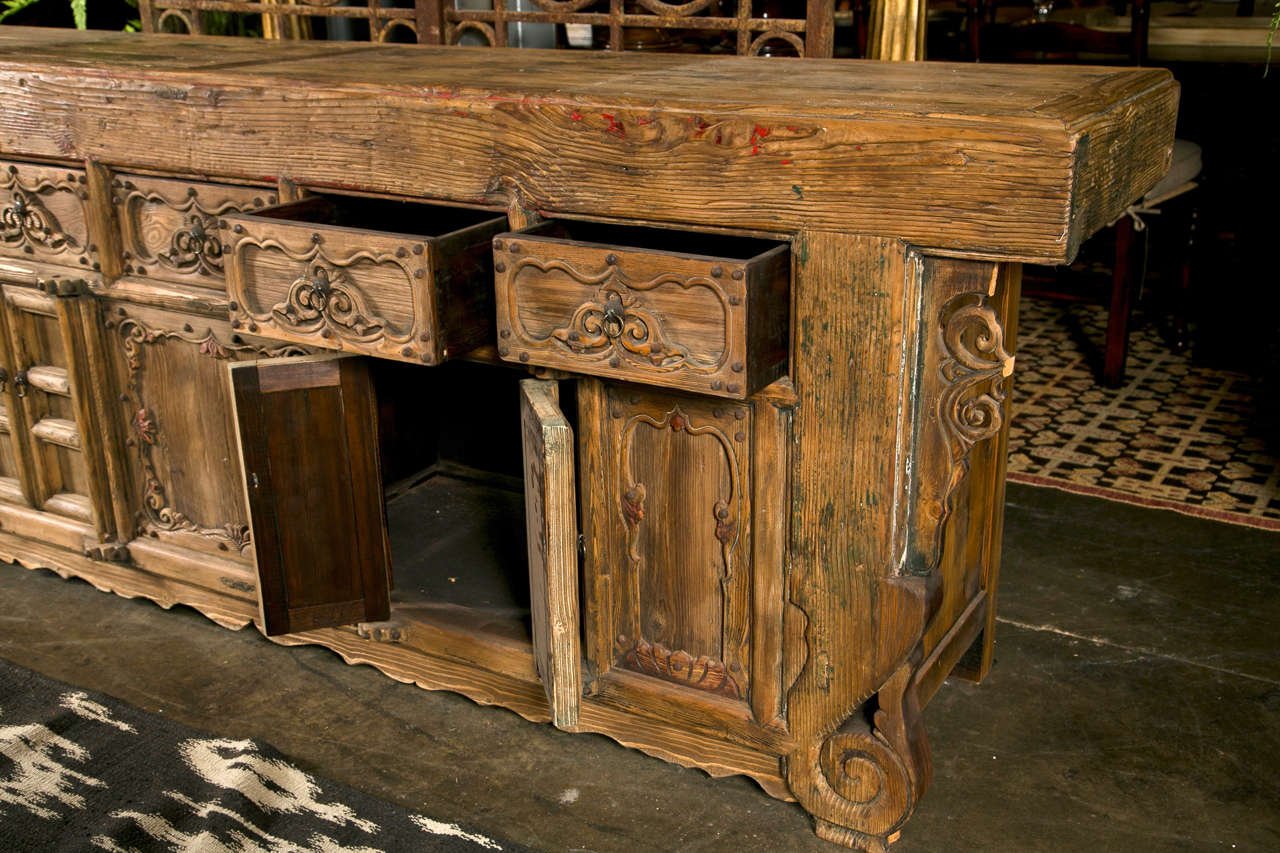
(1134, 705)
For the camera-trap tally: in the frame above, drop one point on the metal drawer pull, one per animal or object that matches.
(20, 383)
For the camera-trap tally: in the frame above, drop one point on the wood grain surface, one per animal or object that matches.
(987, 161)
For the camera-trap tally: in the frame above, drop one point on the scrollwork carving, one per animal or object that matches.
(26, 223)
(327, 297)
(974, 367)
(194, 248)
(157, 511)
(862, 781)
(617, 323)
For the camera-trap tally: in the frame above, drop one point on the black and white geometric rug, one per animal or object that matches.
(82, 771)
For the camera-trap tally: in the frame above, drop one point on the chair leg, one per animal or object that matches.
(1122, 288)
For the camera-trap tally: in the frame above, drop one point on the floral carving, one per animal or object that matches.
(158, 513)
(680, 667)
(325, 297)
(615, 322)
(26, 223)
(144, 425)
(194, 248)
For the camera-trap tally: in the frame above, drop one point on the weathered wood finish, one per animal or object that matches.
(169, 229)
(412, 297)
(42, 213)
(552, 530)
(183, 482)
(661, 315)
(996, 161)
(308, 431)
(775, 577)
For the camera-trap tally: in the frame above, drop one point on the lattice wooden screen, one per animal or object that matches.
(739, 26)
(287, 19)
(628, 23)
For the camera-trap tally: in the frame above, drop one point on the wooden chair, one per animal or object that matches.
(1074, 36)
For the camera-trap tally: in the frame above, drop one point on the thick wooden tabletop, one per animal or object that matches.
(1016, 162)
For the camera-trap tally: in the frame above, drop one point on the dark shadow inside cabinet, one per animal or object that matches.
(452, 470)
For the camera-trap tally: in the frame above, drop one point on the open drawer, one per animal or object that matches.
(701, 312)
(329, 536)
(397, 279)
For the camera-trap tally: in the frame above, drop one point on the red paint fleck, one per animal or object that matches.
(859, 147)
(761, 132)
(644, 121)
(755, 149)
(791, 127)
(462, 113)
(786, 162)
(615, 127)
(718, 137)
(701, 124)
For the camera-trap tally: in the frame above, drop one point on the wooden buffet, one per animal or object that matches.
(656, 396)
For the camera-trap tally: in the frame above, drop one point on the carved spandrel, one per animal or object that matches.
(969, 384)
(158, 512)
(974, 367)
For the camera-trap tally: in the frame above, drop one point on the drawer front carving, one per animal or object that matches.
(406, 297)
(169, 229)
(706, 323)
(42, 214)
(176, 405)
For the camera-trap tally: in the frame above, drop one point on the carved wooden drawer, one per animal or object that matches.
(702, 312)
(402, 280)
(42, 213)
(169, 229)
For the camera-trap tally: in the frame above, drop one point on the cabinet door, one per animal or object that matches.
(684, 511)
(10, 450)
(53, 415)
(551, 516)
(308, 435)
(181, 454)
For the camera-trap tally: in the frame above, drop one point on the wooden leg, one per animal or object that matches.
(1123, 284)
(871, 772)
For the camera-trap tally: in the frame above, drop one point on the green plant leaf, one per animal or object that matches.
(12, 7)
(80, 14)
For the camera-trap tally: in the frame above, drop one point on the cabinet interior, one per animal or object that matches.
(452, 469)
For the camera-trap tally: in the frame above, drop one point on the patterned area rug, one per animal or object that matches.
(1176, 435)
(83, 771)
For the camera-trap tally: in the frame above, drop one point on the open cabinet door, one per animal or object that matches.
(308, 434)
(550, 508)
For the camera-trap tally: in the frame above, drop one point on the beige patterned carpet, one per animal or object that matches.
(1176, 435)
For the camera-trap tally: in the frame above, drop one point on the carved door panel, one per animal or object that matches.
(308, 434)
(685, 544)
(53, 415)
(10, 450)
(185, 483)
(551, 516)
